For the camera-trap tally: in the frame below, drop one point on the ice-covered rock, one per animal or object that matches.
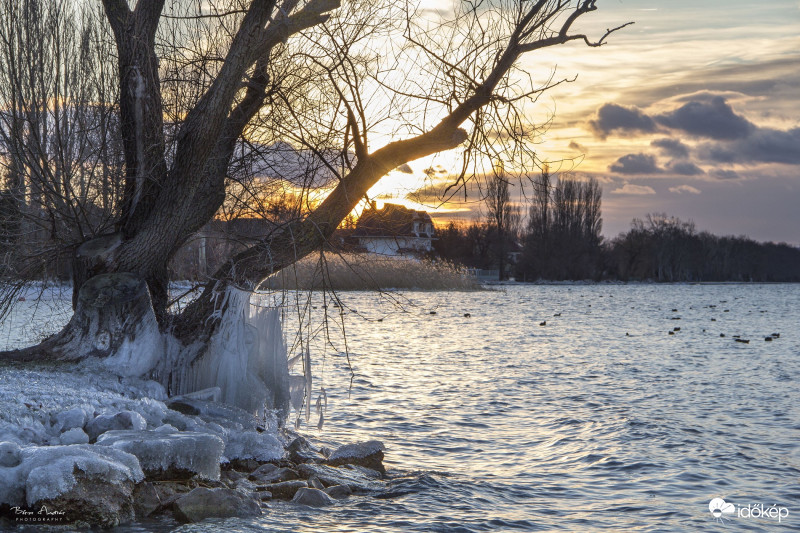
(47, 472)
(253, 445)
(71, 418)
(9, 454)
(165, 455)
(312, 497)
(74, 436)
(300, 450)
(202, 503)
(94, 500)
(368, 454)
(111, 422)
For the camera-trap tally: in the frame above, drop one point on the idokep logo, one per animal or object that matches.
(720, 509)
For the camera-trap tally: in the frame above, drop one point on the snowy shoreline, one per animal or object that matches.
(89, 446)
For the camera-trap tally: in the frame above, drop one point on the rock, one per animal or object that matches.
(202, 503)
(264, 495)
(74, 436)
(244, 465)
(301, 451)
(264, 469)
(315, 483)
(231, 476)
(130, 420)
(312, 497)
(358, 481)
(170, 455)
(93, 500)
(275, 476)
(9, 454)
(146, 500)
(168, 493)
(368, 454)
(71, 419)
(338, 492)
(285, 490)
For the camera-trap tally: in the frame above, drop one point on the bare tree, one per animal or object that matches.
(502, 217)
(338, 83)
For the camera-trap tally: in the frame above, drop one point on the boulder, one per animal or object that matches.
(368, 454)
(312, 497)
(126, 420)
(338, 492)
(358, 480)
(146, 500)
(93, 500)
(301, 451)
(202, 503)
(170, 455)
(277, 475)
(285, 490)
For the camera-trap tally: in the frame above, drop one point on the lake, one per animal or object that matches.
(560, 408)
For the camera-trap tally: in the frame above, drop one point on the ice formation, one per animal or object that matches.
(45, 472)
(245, 358)
(163, 450)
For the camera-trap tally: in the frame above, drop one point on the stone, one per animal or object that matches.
(170, 455)
(146, 500)
(264, 495)
(126, 420)
(202, 503)
(312, 497)
(285, 490)
(358, 481)
(338, 492)
(74, 436)
(264, 469)
(301, 451)
(94, 501)
(315, 483)
(275, 476)
(368, 454)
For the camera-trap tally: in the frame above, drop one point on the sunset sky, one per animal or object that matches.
(693, 111)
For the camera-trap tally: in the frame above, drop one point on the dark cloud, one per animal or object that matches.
(636, 164)
(671, 147)
(613, 117)
(579, 147)
(772, 146)
(724, 174)
(685, 168)
(713, 119)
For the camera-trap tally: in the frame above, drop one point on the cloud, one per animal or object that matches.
(724, 174)
(614, 117)
(636, 164)
(671, 147)
(579, 147)
(636, 190)
(713, 119)
(685, 168)
(764, 145)
(680, 189)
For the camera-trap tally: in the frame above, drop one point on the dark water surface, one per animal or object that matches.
(597, 421)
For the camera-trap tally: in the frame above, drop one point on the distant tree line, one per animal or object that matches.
(561, 241)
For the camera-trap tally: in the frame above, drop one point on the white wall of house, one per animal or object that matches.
(393, 245)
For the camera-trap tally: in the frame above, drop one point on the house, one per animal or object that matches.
(394, 230)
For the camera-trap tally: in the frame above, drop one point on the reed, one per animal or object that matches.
(357, 272)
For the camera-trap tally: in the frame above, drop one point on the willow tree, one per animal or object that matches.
(361, 88)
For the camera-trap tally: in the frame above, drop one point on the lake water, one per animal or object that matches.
(598, 420)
